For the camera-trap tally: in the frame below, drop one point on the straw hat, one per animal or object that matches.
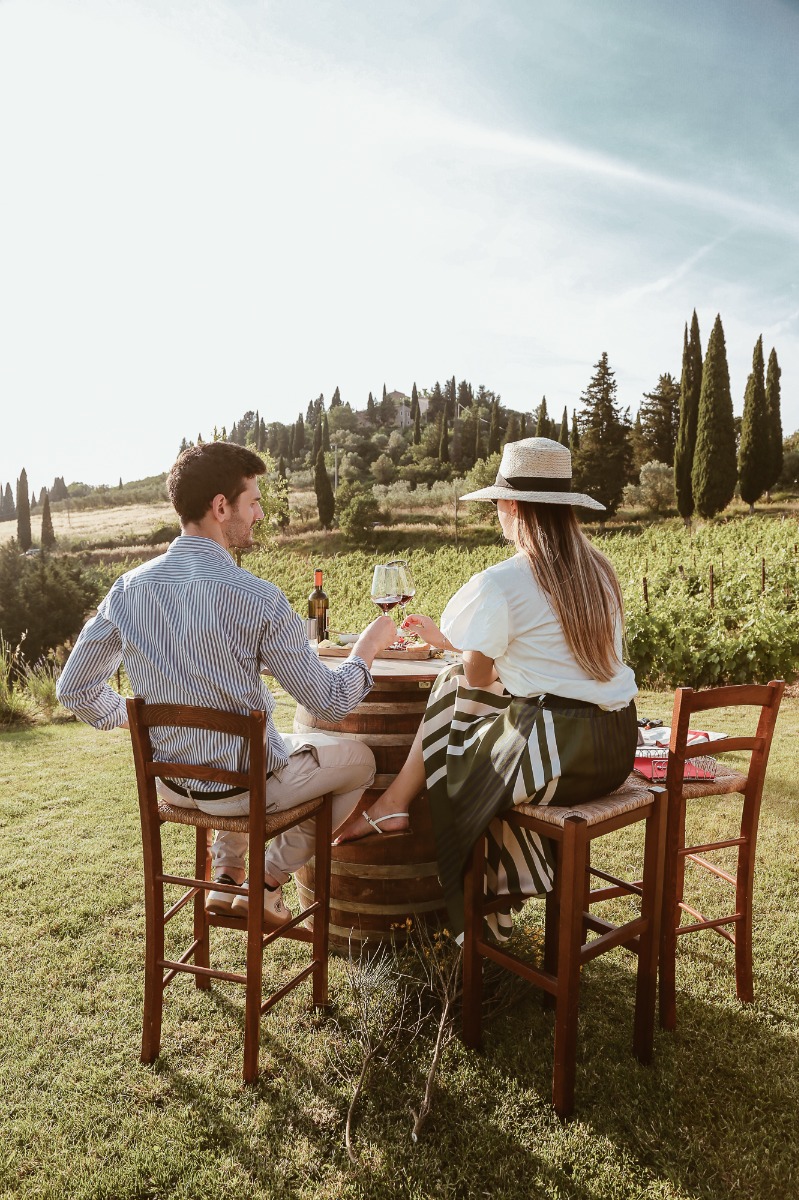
(536, 470)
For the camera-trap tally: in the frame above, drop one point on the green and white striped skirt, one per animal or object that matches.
(484, 751)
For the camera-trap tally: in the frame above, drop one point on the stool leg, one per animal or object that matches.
(674, 873)
(202, 863)
(570, 941)
(744, 887)
(472, 961)
(321, 925)
(552, 924)
(651, 908)
(255, 963)
(154, 945)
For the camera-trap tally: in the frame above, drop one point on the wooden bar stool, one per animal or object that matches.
(568, 919)
(259, 826)
(749, 784)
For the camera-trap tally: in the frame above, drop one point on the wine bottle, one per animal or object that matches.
(317, 605)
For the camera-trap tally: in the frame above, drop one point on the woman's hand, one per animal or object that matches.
(427, 630)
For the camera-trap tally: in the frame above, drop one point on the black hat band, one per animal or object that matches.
(532, 483)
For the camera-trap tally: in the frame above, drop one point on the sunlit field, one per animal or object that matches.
(98, 524)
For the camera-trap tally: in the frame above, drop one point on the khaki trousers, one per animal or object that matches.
(318, 763)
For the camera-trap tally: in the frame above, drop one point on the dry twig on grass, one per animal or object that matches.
(386, 1012)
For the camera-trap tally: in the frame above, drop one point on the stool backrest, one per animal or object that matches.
(143, 717)
(687, 703)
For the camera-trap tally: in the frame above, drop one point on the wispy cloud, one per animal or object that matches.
(664, 282)
(576, 159)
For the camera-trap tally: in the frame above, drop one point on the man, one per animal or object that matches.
(193, 628)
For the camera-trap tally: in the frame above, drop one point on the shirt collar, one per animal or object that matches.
(189, 543)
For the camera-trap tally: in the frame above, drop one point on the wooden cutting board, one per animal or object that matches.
(418, 652)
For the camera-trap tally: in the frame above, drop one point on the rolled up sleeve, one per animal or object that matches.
(286, 654)
(83, 686)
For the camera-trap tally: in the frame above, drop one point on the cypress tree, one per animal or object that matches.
(443, 442)
(370, 409)
(48, 533)
(638, 443)
(7, 509)
(690, 391)
(464, 398)
(414, 399)
(417, 427)
(23, 512)
(603, 461)
(325, 500)
(283, 519)
(753, 452)
(714, 472)
(336, 401)
(292, 438)
(436, 403)
(563, 436)
(774, 420)
(317, 440)
(478, 441)
(456, 450)
(542, 423)
(299, 436)
(574, 437)
(522, 426)
(326, 432)
(512, 431)
(493, 429)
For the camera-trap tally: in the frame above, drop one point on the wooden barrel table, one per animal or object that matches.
(380, 882)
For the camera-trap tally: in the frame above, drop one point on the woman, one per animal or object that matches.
(542, 709)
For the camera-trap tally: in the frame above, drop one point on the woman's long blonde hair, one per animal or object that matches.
(579, 581)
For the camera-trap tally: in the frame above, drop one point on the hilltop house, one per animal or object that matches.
(402, 406)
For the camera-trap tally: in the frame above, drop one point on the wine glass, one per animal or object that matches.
(386, 586)
(407, 586)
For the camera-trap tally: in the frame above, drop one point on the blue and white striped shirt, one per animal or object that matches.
(193, 628)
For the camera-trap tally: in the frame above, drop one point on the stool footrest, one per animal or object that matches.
(205, 972)
(292, 983)
(614, 935)
(534, 975)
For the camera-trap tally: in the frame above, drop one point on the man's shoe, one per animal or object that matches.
(221, 903)
(275, 911)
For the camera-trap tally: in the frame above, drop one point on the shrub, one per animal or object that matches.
(43, 601)
(655, 491)
(357, 520)
(13, 708)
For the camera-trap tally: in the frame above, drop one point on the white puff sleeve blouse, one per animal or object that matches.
(503, 613)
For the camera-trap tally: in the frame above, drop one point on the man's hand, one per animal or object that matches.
(381, 633)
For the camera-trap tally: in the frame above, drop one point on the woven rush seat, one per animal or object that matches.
(725, 782)
(633, 793)
(274, 823)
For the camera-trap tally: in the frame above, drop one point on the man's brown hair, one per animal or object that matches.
(208, 470)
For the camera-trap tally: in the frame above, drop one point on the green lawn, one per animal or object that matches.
(715, 1116)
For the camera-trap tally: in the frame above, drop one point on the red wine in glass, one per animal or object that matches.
(386, 603)
(386, 587)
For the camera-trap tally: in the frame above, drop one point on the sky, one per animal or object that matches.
(210, 206)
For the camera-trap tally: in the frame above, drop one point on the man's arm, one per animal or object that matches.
(286, 655)
(83, 686)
